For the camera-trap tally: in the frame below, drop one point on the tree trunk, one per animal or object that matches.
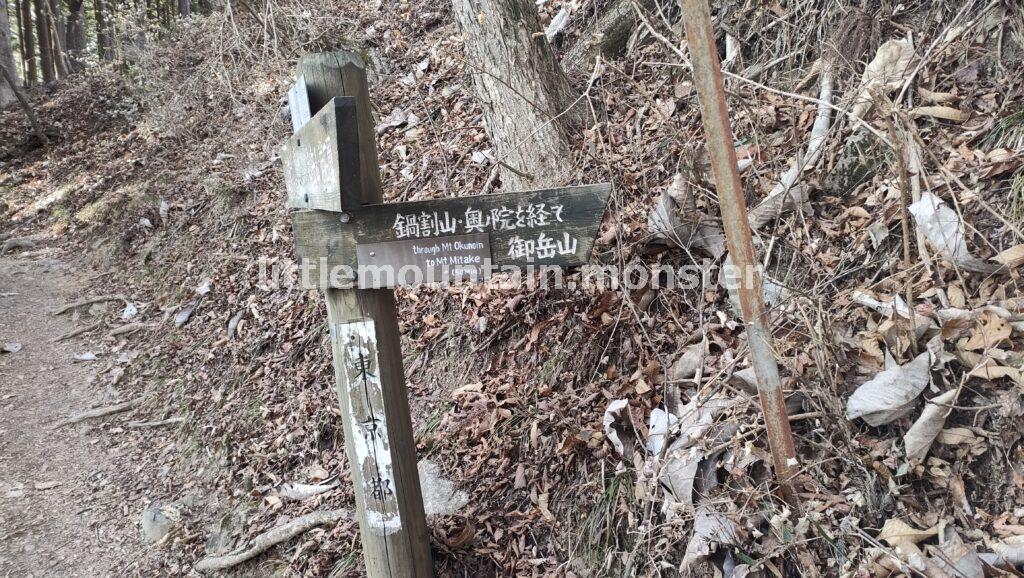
(21, 42)
(75, 40)
(525, 94)
(9, 80)
(6, 56)
(28, 46)
(45, 44)
(58, 31)
(184, 8)
(102, 30)
(607, 37)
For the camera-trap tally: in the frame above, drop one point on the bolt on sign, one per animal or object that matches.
(351, 245)
(390, 244)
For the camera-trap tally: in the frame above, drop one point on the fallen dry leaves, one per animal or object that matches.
(510, 387)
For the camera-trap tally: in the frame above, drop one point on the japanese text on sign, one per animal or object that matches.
(541, 247)
(503, 218)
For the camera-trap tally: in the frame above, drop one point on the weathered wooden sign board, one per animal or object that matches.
(298, 104)
(321, 160)
(554, 227)
(423, 260)
(352, 241)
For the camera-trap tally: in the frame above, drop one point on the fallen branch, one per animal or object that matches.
(98, 412)
(271, 538)
(149, 424)
(786, 196)
(90, 301)
(78, 332)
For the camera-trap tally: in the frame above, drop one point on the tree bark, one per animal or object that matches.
(58, 31)
(103, 37)
(75, 42)
(608, 36)
(527, 101)
(23, 69)
(184, 8)
(45, 43)
(6, 56)
(28, 46)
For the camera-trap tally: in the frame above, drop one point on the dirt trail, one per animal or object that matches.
(60, 511)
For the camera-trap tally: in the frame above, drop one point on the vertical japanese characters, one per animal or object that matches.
(369, 425)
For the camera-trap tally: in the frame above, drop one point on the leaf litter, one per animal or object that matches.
(510, 388)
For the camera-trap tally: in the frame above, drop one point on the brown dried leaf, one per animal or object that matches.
(687, 364)
(891, 393)
(896, 532)
(943, 112)
(919, 438)
(1012, 257)
(993, 331)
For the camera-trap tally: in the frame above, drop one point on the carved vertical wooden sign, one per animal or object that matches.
(369, 434)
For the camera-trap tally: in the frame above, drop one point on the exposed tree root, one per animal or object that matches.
(271, 538)
(89, 301)
(129, 328)
(98, 412)
(79, 331)
(149, 424)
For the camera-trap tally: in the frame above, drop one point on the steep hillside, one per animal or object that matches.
(164, 176)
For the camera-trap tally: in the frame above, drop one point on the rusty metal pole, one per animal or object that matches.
(707, 75)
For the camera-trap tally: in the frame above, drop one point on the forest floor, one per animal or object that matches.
(164, 171)
(60, 514)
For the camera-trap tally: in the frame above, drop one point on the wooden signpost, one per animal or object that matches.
(356, 248)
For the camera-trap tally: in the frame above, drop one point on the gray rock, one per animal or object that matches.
(440, 498)
(155, 523)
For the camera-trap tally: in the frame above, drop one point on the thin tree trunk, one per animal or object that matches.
(28, 45)
(58, 30)
(21, 42)
(103, 44)
(75, 42)
(45, 43)
(7, 56)
(12, 82)
(527, 101)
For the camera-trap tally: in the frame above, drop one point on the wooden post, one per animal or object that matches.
(707, 76)
(370, 378)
